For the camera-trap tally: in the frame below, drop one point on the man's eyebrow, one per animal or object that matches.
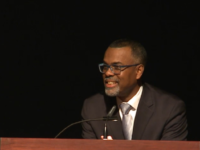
(114, 63)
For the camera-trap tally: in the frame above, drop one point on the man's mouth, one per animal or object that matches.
(111, 84)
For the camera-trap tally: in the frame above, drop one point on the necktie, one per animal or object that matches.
(126, 120)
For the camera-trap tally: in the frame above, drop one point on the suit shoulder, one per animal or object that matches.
(94, 99)
(94, 106)
(97, 95)
(162, 95)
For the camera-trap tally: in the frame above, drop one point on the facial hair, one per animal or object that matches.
(114, 91)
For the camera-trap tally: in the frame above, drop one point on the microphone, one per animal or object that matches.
(108, 117)
(110, 113)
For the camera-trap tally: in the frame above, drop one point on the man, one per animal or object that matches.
(151, 113)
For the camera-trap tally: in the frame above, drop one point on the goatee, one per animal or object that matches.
(112, 91)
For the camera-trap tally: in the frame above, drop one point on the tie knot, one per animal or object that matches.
(125, 107)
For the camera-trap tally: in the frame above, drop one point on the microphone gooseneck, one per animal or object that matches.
(108, 117)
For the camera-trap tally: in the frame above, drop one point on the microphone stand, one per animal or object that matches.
(105, 132)
(97, 119)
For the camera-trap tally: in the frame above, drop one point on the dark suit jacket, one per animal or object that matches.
(160, 116)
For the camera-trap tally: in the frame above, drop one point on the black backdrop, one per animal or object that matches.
(50, 52)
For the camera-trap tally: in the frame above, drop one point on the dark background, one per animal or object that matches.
(50, 52)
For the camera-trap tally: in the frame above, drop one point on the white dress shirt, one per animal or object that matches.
(134, 101)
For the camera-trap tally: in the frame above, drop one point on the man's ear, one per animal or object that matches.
(139, 71)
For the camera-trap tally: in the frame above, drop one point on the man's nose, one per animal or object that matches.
(109, 72)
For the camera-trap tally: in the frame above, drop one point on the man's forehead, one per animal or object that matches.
(118, 55)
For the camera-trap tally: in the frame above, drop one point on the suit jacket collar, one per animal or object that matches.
(144, 112)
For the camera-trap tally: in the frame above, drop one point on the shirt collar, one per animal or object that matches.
(134, 101)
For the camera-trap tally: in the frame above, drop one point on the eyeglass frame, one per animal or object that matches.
(121, 66)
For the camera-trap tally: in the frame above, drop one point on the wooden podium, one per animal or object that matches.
(84, 144)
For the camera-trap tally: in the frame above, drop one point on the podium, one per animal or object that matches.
(86, 144)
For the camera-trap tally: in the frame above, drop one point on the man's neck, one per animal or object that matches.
(129, 96)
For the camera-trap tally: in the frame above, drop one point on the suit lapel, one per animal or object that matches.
(144, 113)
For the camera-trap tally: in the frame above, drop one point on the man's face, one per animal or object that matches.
(124, 83)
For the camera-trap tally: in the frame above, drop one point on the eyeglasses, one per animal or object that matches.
(115, 69)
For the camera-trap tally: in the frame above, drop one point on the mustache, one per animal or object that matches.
(111, 78)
